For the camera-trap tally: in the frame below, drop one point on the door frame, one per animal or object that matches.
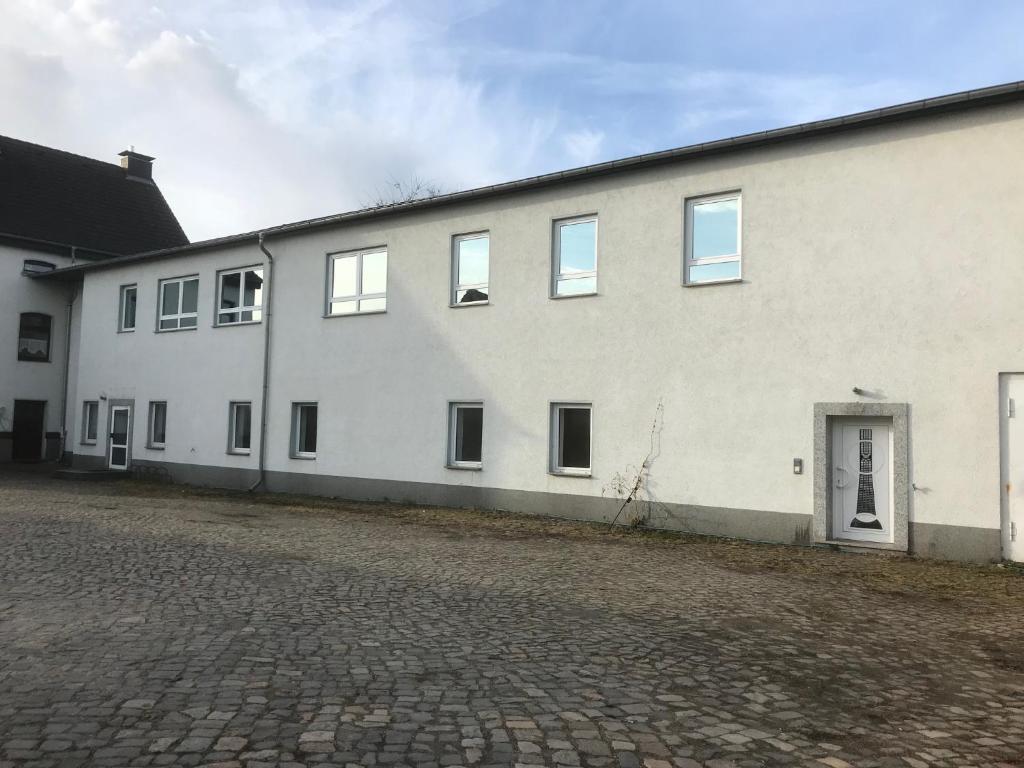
(825, 414)
(1005, 519)
(836, 526)
(111, 405)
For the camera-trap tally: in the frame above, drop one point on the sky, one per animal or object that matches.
(261, 112)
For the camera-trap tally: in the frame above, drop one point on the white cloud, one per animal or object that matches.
(583, 146)
(261, 114)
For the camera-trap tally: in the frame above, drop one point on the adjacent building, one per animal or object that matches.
(803, 335)
(58, 210)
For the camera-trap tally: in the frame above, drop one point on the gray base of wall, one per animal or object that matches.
(956, 542)
(6, 447)
(928, 540)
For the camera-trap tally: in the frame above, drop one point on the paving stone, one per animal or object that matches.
(219, 630)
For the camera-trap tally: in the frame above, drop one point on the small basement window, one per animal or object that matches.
(570, 438)
(240, 296)
(157, 424)
(465, 435)
(713, 241)
(34, 337)
(240, 428)
(90, 421)
(179, 303)
(304, 430)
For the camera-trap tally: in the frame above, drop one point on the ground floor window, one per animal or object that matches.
(157, 424)
(304, 430)
(465, 435)
(90, 419)
(570, 438)
(240, 428)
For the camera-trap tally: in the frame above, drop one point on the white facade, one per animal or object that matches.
(886, 259)
(34, 381)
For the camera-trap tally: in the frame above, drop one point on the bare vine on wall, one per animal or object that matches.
(633, 484)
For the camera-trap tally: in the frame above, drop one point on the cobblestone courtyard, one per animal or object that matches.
(145, 625)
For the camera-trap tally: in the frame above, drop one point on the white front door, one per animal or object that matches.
(120, 421)
(1011, 418)
(862, 480)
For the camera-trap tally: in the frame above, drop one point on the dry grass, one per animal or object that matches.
(882, 573)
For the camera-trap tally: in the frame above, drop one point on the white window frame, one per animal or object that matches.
(123, 303)
(151, 441)
(453, 407)
(294, 452)
(87, 406)
(689, 261)
(456, 286)
(232, 420)
(179, 315)
(237, 311)
(555, 440)
(359, 297)
(556, 256)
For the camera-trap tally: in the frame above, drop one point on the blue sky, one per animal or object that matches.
(269, 111)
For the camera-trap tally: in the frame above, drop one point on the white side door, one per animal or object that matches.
(1011, 422)
(120, 423)
(862, 480)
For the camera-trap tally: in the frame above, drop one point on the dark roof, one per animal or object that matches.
(56, 197)
(954, 102)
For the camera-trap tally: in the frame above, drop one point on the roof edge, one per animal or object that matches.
(953, 102)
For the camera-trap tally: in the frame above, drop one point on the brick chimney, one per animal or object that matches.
(139, 167)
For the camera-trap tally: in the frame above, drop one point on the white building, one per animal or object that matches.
(809, 335)
(58, 209)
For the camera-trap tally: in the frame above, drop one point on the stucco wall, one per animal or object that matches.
(24, 380)
(886, 259)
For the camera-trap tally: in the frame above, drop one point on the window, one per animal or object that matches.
(126, 315)
(34, 337)
(240, 296)
(574, 266)
(570, 438)
(712, 238)
(465, 435)
(157, 424)
(239, 427)
(179, 303)
(358, 282)
(303, 430)
(90, 420)
(470, 268)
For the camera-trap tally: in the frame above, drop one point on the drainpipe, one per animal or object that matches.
(67, 368)
(268, 313)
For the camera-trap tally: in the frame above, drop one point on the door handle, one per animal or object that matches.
(839, 484)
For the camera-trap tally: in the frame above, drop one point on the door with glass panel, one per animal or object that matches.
(120, 428)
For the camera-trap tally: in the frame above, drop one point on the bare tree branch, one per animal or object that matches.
(398, 191)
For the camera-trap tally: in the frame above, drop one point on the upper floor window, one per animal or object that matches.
(712, 236)
(126, 314)
(470, 268)
(90, 421)
(574, 262)
(240, 296)
(358, 282)
(34, 337)
(179, 303)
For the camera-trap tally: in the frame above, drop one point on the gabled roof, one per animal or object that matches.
(954, 102)
(52, 196)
